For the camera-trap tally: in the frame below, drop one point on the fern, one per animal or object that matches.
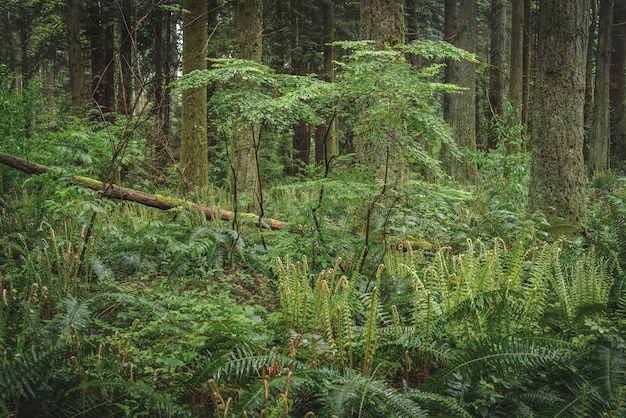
(21, 377)
(520, 354)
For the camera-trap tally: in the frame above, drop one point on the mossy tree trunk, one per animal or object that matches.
(600, 127)
(557, 168)
(246, 135)
(382, 21)
(194, 160)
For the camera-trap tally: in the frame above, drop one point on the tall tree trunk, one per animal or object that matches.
(557, 168)
(588, 110)
(326, 143)
(496, 70)
(460, 108)
(246, 136)
(102, 58)
(526, 64)
(412, 29)
(126, 34)
(158, 110)
(600, 125)
(301, 138)
(516, 64)
(194, 160)
(617, 91)
(383, 22)
(74, 52)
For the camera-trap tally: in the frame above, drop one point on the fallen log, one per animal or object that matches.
(114, 191)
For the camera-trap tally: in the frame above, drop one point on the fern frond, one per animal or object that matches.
(20, 377)
(436, 403)
(504, 354)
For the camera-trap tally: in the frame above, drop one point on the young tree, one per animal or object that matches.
(459, 108)
(194, 160)
(600, 132)
(557, 168)
(382, 21)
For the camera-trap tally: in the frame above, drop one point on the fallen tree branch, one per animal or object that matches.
(123, 193)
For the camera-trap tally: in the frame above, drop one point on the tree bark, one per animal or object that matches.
(245, 142)
(516, 61)
(382, 21)
(114, 191)
(588, 111)
(526, 62)
(74, 52)
(600, 126)
(194, 160)
(126, 34)
(496, 70)
(618, 82)
(557, 168)
(326, 143)
(460, 108)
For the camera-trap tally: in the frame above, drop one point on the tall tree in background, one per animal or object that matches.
(496, 69)
(591, 41)
(459, 108)
(382, 21)
(194, 160)
(557, 167)
(515, 60)
(102, 56)
(246, 136)
(75, 57)
(600, 132)
(526, 64)
(617, 91)
(326, 142)
(126, 41)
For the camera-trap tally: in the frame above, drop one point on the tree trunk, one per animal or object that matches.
(114, 191)
(102, 58)
(588, 111)
(383, 22)
(460, 108)
(160, 135)
(557, 168)
(126, 34)
(326, 143)
(617, 92)
(496, 70)
(516, 61)
(194, 160)
(526, 64)
(600, 126)
(246, 138)
(74, 53)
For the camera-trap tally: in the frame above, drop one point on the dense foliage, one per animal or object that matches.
(423, 299)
